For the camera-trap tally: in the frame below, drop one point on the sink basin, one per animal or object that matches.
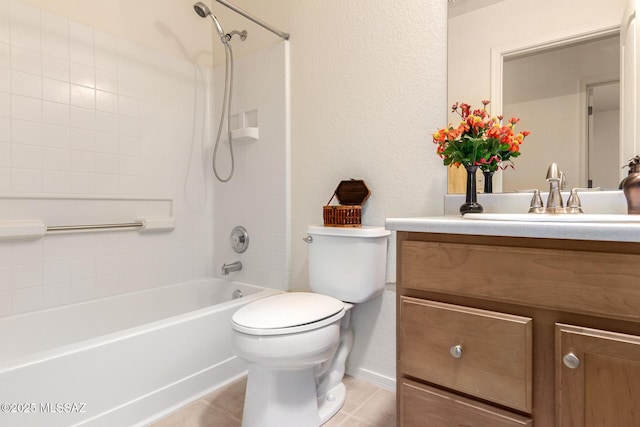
(530, 217)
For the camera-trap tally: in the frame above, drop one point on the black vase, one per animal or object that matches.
(488, 181)
(471, 204)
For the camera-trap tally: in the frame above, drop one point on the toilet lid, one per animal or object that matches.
(287, 310)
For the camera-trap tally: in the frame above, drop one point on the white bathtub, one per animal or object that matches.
(119, 361)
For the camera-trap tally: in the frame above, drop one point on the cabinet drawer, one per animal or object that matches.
(421, 406)
(594, 283)
(495, 360)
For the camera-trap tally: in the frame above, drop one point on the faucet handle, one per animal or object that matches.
(573, 203)
(536, 203)
(553, 173)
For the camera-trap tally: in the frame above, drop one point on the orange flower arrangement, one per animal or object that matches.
(479, 140)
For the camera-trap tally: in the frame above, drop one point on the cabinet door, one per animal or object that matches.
(597, 378)
(421, 406)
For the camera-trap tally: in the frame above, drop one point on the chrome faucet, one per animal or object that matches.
(557, 182)
(228, 268)
(554, 201)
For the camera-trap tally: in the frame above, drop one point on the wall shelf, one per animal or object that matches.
(247, 134)
(244, 126)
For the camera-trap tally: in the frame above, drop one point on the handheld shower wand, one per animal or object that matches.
(204, 11)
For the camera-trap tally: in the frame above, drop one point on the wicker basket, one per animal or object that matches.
(342, 216)
(351, 195)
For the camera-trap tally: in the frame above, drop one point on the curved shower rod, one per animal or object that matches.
(254, 19)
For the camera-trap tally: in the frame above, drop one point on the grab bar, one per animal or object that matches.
(96, 227)
(35, 229)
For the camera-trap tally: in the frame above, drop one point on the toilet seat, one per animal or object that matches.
(288, 313)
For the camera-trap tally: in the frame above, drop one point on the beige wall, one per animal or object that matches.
(367, 92)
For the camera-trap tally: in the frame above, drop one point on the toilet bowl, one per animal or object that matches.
(296, 344)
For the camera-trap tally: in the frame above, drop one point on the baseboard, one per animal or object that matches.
(380, 380)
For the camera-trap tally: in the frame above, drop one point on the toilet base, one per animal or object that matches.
(330, 403)
(278, 398)
(284, 396)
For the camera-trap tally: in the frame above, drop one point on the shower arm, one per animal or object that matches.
(254, 19)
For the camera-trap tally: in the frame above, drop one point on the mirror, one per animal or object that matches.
(547, 77)
(549, 90)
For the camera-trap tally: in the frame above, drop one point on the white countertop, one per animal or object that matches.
(455, 224)
(597, 202)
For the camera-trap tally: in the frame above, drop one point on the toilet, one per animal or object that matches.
(296, 343)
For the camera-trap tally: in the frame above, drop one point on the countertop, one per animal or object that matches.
(596, 202)
(455, 224)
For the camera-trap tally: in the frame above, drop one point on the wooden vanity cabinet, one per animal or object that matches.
(503, 331)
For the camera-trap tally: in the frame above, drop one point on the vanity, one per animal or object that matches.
(517, 323)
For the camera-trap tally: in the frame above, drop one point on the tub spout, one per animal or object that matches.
(228, 268)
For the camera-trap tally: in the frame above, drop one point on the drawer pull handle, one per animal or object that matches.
(456, 351)
(571, 361)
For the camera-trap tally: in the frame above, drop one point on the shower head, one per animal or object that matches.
(203, 11)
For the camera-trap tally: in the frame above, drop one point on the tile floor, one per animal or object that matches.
(366, 406)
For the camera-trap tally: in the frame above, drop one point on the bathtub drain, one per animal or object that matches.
(237, 294)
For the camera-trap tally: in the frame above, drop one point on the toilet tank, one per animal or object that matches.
(348, 263)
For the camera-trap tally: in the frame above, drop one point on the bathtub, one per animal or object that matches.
(120, 361)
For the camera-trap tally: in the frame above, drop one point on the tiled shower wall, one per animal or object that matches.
(84, 113)
(257, 195)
